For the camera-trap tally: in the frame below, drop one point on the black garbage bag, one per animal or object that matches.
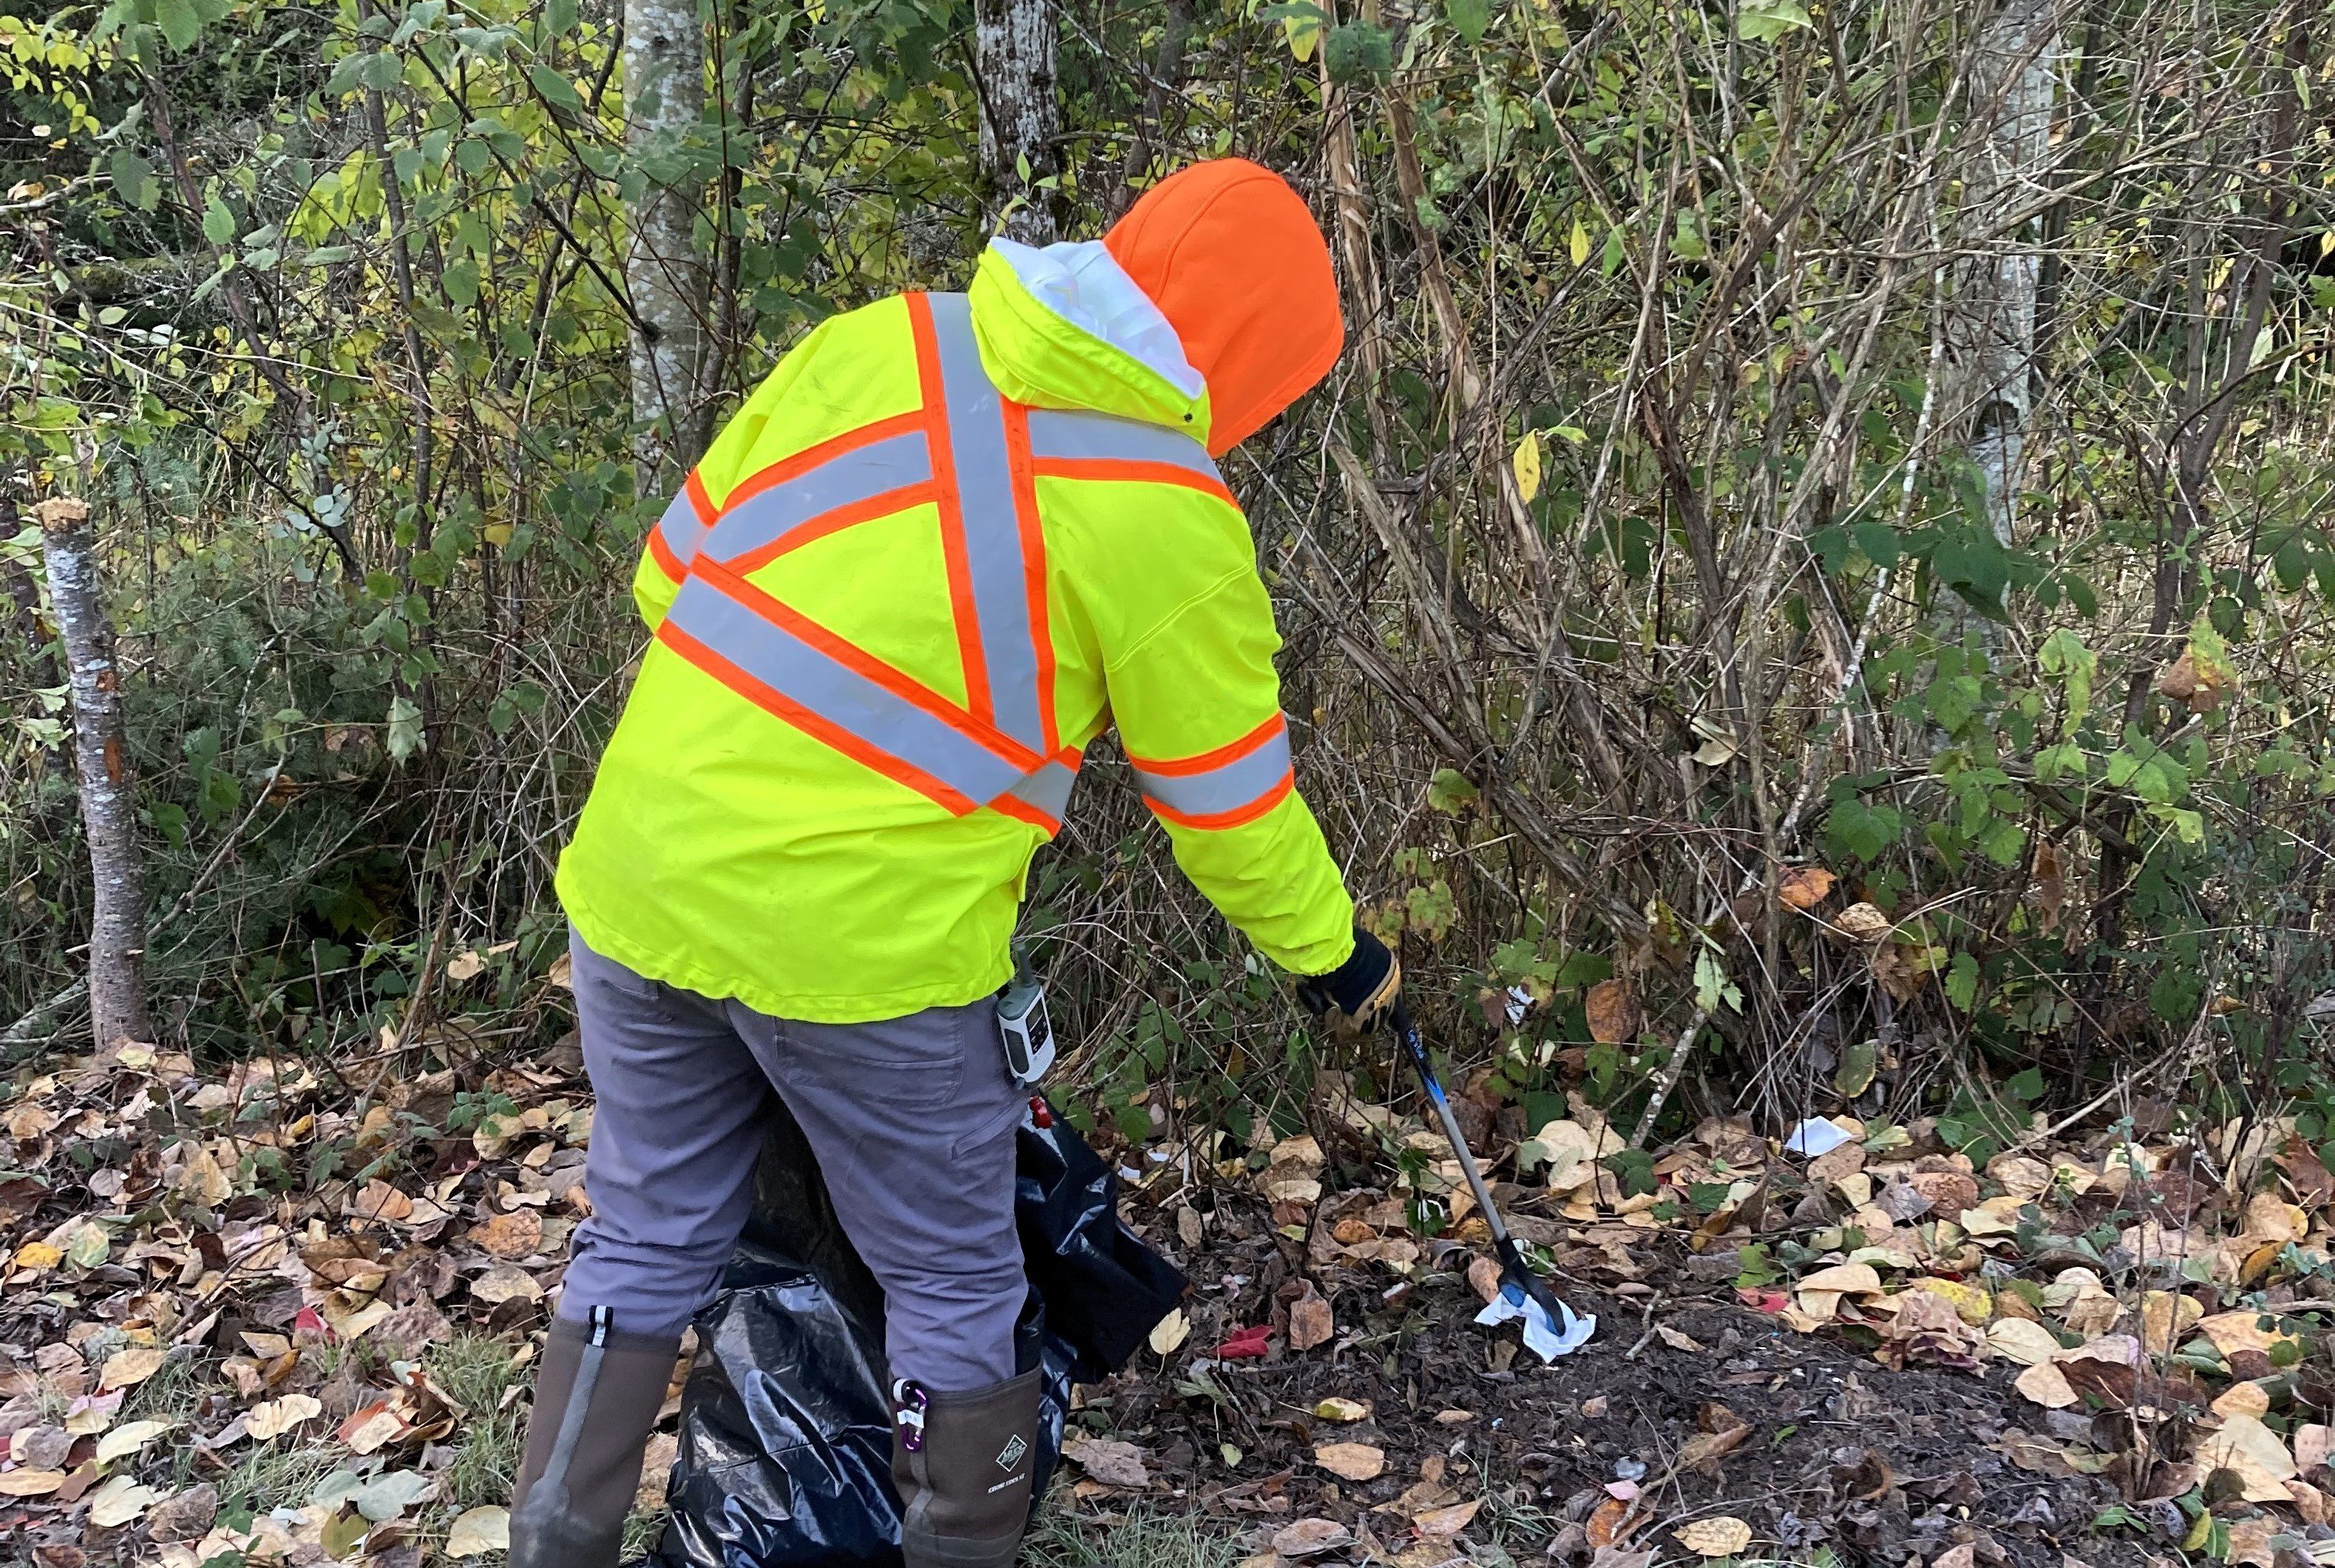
(785, 1456)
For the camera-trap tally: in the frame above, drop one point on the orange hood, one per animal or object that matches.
(1233, 260)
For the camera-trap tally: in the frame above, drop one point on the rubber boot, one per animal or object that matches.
(963, 1464)
(595, 1398)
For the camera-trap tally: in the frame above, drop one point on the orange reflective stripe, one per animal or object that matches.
(662, 553)
(953, 549)
(674, 537)
(1033, 566)
(1133, 470)
(1209, 761)
(1234, 783)
(778, 705)
(1216, 822)
(865, 510)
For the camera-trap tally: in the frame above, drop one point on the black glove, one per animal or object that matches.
(1355, 996)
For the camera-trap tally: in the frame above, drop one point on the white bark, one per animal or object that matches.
(665, 273)
(116, 932)
(2013, 86)
(1013, 60)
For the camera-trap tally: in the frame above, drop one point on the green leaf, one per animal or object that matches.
(1761, 20)
(219, 223)
(1962, 982)
(1470, 18)
(134, 181)
(1858, 1063)
(557, 89)
(559, 18)
(1356, 51)
(405, 737)
(180, 23)
(1450, 792)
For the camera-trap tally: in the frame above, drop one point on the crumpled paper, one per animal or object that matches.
(1543, 1338)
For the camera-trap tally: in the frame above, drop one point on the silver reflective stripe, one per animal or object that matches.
(840, 695)
(993, 533)
(1068, 433)
(680, 528)
(853, 476)
(1048, 789)
(1240, 782)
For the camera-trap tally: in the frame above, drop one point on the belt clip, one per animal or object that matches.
(908, 1403)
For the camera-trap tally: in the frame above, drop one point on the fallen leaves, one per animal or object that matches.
(274, 1418)
(1311, 1322)
(1109, 1461)
(134, 1365)
(1350, 1461)
(1310, 1537)
(2250, 1451)
(1724, 1536)
(1169, 1334)
(1343, 1410)
(478, 1531)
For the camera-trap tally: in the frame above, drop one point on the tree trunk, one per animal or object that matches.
(665, 273)
(117, 928)
(1013, 69)
(2014, 83)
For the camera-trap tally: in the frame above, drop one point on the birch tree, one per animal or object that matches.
(2013, 87)
(665, 273)
(1013, 65)
(117, 927)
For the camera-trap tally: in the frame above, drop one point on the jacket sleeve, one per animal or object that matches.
(1198, 707)
(688, 516)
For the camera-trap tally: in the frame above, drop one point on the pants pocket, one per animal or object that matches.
(913, 1063)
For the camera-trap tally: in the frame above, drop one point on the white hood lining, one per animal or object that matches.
(1083, 284)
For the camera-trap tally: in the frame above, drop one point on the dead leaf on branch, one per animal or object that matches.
(1612, 1012)
(1805, 887)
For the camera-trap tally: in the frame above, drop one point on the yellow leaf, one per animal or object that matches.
(30, 1482)
(1170, 1332)
(1526, 463)
(277, 1416)
(1723, 1536)
(119, 1501)
(1335, 1409)
(2253, 1452)
(1302, 33)
(1580, 243)
(134, 1365)
(478, 1531)
(128, 1439)
(38, 1257)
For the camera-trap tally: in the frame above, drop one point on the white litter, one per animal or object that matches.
(1815, 1138)
(1543, 1338)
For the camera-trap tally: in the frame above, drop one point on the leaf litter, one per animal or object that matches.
(1901, 1352)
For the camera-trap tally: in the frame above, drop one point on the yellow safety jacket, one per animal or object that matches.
(949, 542)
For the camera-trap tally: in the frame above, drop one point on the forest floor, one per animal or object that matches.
(285, 1312)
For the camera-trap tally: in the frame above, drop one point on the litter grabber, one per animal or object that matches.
(1552, 1329)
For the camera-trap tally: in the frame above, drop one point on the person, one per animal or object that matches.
(950, 541)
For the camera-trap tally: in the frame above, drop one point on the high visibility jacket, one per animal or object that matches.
(947, 543)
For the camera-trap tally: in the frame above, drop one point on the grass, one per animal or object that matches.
(1138, 1540)
(476, 1371)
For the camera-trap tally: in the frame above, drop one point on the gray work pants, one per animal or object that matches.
(912, 1120)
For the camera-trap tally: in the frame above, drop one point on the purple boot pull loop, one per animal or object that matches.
(908, 1404)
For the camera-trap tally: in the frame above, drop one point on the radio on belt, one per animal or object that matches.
(1023, 1029)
